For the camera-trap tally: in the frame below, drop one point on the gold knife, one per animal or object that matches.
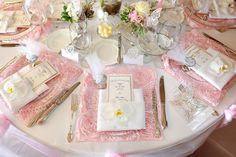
(10, 44)
(56, 102)
(155, 112)
(163, 103)
(119, 58)
(226, 47)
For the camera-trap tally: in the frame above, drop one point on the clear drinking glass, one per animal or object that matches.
(168, 35)
(37, 11)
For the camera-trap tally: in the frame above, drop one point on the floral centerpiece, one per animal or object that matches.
(72, 11)
(137, 15)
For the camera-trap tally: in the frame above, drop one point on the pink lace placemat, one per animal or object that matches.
(144, 78)
(198, 21)
(201, 88)
(69, 74)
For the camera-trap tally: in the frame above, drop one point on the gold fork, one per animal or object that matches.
(73, 108)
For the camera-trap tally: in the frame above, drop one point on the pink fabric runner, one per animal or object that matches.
(69, 74)
(144, 78)
(200, 87)
(195, 20)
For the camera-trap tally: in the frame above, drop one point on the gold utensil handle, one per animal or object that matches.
(163, 103)
(163, 115)
(56, 102)
(155, 113)
(119, 58)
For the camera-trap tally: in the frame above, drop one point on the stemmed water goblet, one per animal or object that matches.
(37, 11)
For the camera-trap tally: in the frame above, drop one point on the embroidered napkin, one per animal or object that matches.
(121, 116)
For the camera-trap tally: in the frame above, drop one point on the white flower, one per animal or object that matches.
(119, 112)
(74, 10)
(143, 8)
(68, 9)
(9, 87)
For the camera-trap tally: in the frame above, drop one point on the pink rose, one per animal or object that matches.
(134, 17)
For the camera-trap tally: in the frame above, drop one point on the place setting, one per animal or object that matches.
(210, 14)
(39, 78)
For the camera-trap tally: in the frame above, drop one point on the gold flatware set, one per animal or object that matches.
(60, 98)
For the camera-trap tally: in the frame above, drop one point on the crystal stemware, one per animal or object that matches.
(168, 35)
(37, 11)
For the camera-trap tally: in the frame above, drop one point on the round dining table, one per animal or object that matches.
(178, 140)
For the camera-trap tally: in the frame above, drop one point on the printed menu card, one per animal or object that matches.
(40, 74)
(120, 88)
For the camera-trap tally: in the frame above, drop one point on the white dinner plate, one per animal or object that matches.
(107, 51)
(58, 39)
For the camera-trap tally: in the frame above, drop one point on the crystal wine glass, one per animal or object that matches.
(37, 11)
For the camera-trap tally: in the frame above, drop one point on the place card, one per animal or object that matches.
(198, 55)
(40, 74)
(120, 88)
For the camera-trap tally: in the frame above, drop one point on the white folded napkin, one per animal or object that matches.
(17, 91)
(223, 10)
(6, 19)
(121, 116)
(213, 66)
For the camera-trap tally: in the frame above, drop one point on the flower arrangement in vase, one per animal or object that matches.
(140, 15)
(72, 11)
